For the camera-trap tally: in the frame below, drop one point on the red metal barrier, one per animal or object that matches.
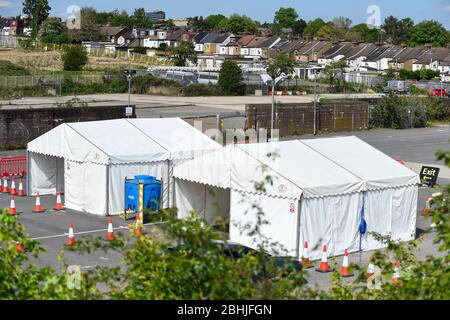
(13, 166)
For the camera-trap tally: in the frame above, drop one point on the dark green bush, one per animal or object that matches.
(195, 90)
(399, 112)
(8, 68)
(74, 58)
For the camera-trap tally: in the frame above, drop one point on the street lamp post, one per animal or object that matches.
(273, 109)
(315, 103)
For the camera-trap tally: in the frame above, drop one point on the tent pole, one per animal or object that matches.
(297, 244)
(107, 190)
(28, 173)
(168, 183)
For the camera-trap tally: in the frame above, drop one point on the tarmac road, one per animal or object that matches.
(416, 146)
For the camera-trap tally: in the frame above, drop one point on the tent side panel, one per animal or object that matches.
(85, 187)
(210, 203)
(42, 174)
(282, 227)
(117, 174)
(390, 212)
(404, 212)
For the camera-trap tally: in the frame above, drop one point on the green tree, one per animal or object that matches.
(89, 31)
(365, 33)
(183, 53)
(313, 27)
(51, 27)
(299, 26)
(342, 23)
(238, 24)
(215, 20)
(429, 32)
(390, 74)
(335, 71)
(120, 19)
(286, 17)
(230, 78)
(38, 10)
(74, 58)
(328, 32)
(140, 20)
(199, 24)
(280, 64)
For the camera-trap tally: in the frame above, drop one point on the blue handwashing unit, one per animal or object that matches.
(152, 193)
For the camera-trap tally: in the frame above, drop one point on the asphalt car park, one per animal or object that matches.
(50, 228)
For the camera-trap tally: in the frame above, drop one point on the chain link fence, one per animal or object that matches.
(12, 82)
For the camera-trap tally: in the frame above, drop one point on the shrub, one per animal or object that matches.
(195, 90)
(230, 78)
(10, 69)
(398, 112)
(74, 58)
(438, 109)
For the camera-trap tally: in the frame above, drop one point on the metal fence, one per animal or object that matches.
(49, 79)
(8, 41)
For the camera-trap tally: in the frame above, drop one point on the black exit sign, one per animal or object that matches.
(428, 176)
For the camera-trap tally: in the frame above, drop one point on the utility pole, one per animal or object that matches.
(273, 109)
(315, 103)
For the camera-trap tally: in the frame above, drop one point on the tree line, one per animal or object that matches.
(286, 22)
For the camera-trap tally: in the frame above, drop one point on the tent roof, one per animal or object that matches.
(123, 141)
(314, 168)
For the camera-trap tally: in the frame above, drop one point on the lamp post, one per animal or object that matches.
(315, 103)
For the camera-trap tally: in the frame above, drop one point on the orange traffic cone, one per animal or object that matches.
(71, 238)
(37, 206)
(12, 207)
(427, 209)
(58, 205)
(344, 269)
(19, 246)
(324, 267)
(396, 275)
(306, 263)
(138, 227)
(5, 185)
(110, 233)
(1, 185)
(21, 193)
(370, 270)
(13, 187)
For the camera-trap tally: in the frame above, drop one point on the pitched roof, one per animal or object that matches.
(262, 42)
(434, 54)
(362, 50)
(210, 37)
(176, 34)
(410, 53)
(339, 49)
(111, 31)
(221, 38)
(200, 36)
(245, 40)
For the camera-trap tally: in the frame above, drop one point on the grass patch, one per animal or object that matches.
(8, 68)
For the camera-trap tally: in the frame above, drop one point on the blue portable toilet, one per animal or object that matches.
(152, 193)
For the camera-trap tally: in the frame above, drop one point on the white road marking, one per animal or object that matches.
(65, 234)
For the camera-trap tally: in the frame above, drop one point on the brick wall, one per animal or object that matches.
(297, 119)
(19, 126)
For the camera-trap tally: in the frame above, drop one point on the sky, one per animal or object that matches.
(262, 10)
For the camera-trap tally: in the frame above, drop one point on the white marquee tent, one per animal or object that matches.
(320, 190)
(88, 161)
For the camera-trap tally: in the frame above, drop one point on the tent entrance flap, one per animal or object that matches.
(46, 174)
(212, 204)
